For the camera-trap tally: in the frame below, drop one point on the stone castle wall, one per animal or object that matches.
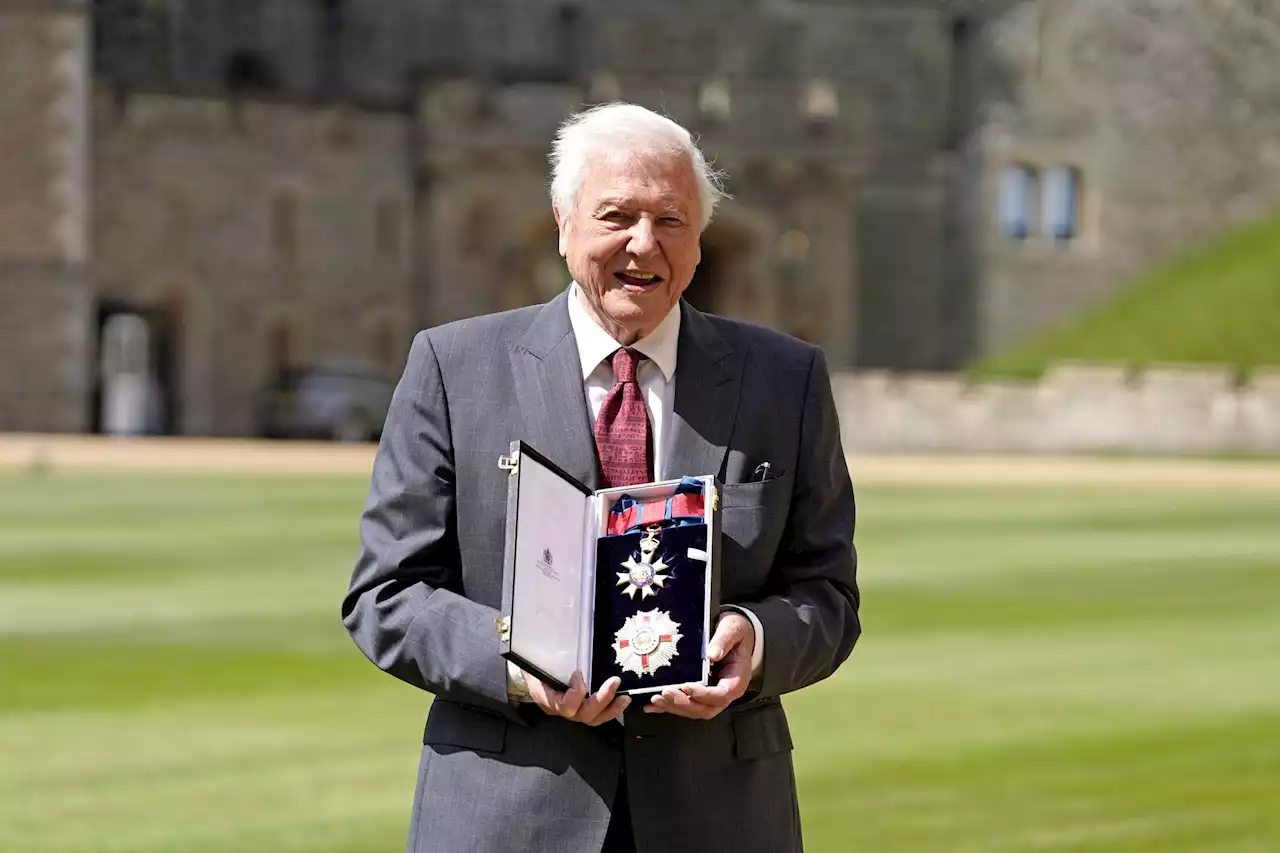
(45, 343)
(271, 183)
(45, 334)
(1170, 109)
(253, 228)
(830, 118)
(1074, 408)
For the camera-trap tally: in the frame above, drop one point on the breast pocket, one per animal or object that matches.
(753, 517)
(758, 493)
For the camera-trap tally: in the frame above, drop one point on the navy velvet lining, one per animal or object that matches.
(683, 596)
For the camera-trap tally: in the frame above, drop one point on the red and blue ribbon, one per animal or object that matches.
(686, 506)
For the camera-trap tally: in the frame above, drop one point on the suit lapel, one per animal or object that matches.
(708, 380)
(553, 406)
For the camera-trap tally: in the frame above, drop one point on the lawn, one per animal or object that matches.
(1043, 670)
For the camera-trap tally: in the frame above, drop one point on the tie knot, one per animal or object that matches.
(624, 365)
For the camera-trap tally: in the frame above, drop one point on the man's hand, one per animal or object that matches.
(732, 644)
(574, 704)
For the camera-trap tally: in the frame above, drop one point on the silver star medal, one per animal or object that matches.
(645, 573)
(646, 642)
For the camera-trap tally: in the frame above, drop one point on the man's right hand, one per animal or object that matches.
(574, 703)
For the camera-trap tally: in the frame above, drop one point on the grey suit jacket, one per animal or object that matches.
(427, 585)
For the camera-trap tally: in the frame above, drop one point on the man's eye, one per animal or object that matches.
(671, 220)
(616, 216)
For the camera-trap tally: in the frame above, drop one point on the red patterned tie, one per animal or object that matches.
(622, 429)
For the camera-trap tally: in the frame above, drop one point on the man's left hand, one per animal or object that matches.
(731, 646)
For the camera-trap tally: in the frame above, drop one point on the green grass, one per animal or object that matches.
(1043, 670)
(1217, 304)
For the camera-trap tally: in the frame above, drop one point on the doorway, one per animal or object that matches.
(704, 290)
(720, 284)
(135, 370)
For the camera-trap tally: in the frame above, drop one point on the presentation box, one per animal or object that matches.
(614, 582)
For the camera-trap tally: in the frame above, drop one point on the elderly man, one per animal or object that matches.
(509, 763)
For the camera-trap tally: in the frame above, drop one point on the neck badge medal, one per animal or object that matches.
(643, 573)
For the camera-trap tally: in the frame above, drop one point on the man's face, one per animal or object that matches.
(631, 239)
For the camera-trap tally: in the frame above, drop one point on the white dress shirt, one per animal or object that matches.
(656, 377)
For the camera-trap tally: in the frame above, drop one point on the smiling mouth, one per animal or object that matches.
(638, 279)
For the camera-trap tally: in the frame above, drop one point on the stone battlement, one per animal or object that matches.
(1075, 407)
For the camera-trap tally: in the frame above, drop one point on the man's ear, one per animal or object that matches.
(561, 222)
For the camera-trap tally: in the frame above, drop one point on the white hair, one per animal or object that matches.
(628, 128)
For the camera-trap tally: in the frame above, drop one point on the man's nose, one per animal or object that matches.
(642, 240)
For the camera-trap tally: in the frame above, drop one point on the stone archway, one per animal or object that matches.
(726, 281)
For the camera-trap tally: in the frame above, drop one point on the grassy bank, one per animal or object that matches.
(1218, 304)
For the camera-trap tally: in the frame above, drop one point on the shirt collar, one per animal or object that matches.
(595, 344)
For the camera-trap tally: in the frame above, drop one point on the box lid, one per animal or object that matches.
(544, 570)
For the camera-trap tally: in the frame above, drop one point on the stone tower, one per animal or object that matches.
(45, 301)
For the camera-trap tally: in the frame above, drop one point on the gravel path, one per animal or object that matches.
(22, 451)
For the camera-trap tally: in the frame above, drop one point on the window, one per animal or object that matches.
(714, 101)
(1019, 187)
(249, 72)
(1040, 202)
(821, 102)
(1061, 203)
